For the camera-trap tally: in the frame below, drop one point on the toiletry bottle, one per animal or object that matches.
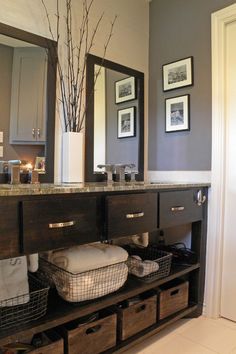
(161, 239)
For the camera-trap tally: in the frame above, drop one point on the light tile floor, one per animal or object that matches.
(192, 336)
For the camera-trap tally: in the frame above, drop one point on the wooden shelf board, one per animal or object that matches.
(60, 311)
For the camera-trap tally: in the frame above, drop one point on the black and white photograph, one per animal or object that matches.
(178, 74)
(125, 90)
(126, 122)
(177, 113)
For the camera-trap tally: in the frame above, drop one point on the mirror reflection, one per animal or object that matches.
(116, 118)
(114, 133)
(23, 92)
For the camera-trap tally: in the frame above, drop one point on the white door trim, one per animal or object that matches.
(220, 20)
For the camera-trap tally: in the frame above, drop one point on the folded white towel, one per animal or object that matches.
(14, 286)
(87, 257)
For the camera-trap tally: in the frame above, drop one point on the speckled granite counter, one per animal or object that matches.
(45, 188)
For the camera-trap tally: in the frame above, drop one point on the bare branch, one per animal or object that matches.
(72, 74)
(98, 72)
(48, 19)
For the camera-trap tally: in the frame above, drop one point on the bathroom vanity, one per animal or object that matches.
(46, 217)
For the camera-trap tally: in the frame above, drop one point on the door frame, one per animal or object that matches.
(219, 22)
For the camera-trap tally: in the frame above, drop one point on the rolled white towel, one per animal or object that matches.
(33, 262)
(142, 268)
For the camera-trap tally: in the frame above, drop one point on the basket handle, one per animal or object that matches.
(174, 292)
(94, 329)
(141, 308)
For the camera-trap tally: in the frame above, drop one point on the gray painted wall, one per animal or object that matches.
(179, 29)
(11, 152)
(123, 150)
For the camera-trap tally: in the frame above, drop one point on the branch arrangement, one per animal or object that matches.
(72, 74)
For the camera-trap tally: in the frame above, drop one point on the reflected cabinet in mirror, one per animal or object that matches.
(27, 100)
(114, 117)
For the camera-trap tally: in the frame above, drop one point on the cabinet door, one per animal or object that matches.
(28, 99)
(58, 223)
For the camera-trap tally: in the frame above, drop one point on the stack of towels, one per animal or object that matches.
(92, 271)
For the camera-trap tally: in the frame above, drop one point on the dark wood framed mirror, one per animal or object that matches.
(28, 119)
(114, 131)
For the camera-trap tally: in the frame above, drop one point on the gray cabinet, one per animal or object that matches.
(28, 96)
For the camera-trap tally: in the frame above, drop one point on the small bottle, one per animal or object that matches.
(161, 239)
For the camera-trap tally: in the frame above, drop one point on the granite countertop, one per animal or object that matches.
(47, 188)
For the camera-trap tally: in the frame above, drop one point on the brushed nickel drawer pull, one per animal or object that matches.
(59, 225)
(177, 208)
(135, 215)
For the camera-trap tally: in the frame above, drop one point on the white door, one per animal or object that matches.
(228, 290)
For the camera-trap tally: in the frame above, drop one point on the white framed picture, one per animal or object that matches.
(126, 123)
(178, 74)
(125, 89)
(177, 113)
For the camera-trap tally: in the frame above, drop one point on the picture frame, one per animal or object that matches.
(177, 74)
(40, 164)
(125, 90)
(177, 113)
(126, 123)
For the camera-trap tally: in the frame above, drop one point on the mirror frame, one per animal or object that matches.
(93, 60)
(51, 46)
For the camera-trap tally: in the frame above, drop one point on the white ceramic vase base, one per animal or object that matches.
(72, 157)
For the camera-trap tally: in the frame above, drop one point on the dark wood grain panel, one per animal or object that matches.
(186, 201)
(9, 228)
(117, 208)
(135, 318)
(37, 215)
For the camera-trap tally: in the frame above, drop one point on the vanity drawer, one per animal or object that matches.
(178, 207)
(130, 214)
(57, 223)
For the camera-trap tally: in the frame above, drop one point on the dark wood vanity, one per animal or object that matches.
(28, 224)
(31, 217)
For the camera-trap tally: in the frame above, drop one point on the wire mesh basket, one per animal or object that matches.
(92, 284)
(27, 307)
(151, 254)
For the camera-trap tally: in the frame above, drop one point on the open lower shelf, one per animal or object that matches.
(60, 311)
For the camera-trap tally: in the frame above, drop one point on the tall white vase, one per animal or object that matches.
(72, 157)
